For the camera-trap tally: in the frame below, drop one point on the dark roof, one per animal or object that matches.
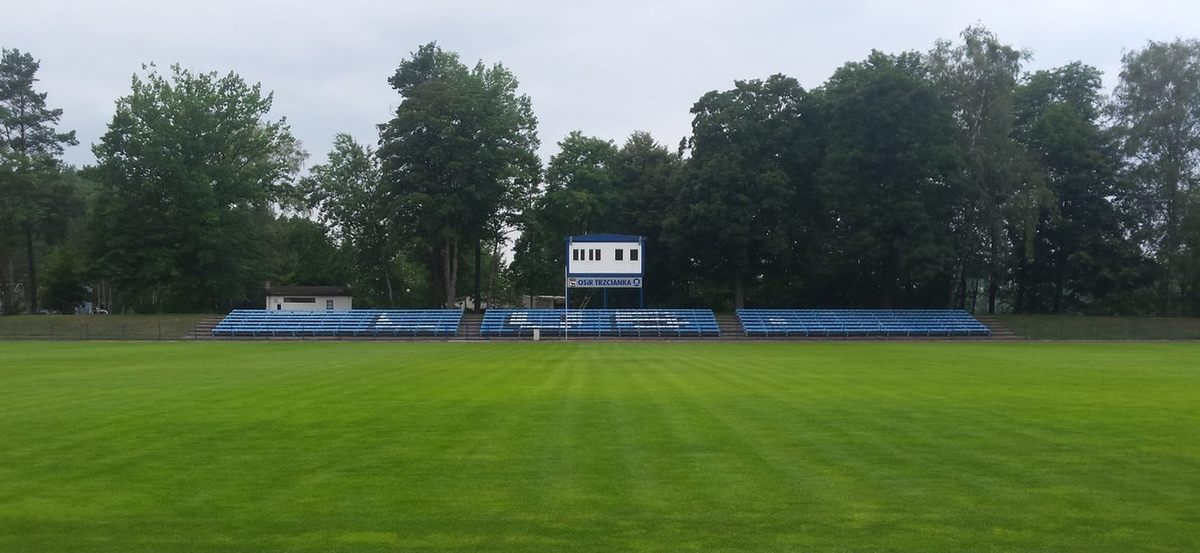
(606, 237)
(308, 291)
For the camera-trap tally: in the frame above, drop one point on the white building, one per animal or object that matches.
(542, 302)
(308, 298)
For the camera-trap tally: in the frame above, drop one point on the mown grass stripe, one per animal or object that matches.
(599, 447)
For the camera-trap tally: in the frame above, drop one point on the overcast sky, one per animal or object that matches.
(606, 68)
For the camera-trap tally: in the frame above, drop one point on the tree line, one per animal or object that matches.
(946, 178)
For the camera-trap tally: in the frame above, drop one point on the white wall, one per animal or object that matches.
(608, 263)
(277, 303)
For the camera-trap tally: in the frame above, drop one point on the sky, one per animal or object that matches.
(604, 68)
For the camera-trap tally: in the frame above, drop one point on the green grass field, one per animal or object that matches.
(854, 447)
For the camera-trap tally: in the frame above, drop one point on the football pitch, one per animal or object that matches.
(854, 447)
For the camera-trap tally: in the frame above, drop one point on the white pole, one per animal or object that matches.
(566, 303)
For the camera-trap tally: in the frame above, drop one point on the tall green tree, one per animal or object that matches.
(582, 192)
(888, 169)
(457, 157)
(192, 168)
(305, 254)
(594, 186)
(580, 196)
(349, 199)
(648, 175)
(732, 214)
(1156, 106)
(30, 183)
(1072, 253)
(978, 76)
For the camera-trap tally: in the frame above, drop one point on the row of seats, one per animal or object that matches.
(358, 322)
(860, 322)
(599, 322)
(602, 322)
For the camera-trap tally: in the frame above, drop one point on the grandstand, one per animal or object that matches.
(859, 322)
(597, 323)
(677, 323)
(353, 323)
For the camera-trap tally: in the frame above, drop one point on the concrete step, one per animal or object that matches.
(203, 329)
(468, 328)
(999, 331)
(729, 325)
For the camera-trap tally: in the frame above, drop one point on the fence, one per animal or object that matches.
(99, 327)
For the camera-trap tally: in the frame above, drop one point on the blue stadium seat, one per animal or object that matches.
(860, 322)
(358, 322)
(599, 322)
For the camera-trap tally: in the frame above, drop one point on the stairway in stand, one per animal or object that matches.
(729, 325)
(203, 329)
(468, 329)
(999, 331)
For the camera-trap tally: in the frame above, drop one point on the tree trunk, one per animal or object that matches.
(32, 293)
(891, 275)
(387, 281)
(1059, 261)
(739, 293)
(1170, 239)
(994, 270)
(102, 296)
(1058, 291)
(950, 294)
(478, 271)
(962, 285)
(6, 288)
(450, 271)
(1022, 282)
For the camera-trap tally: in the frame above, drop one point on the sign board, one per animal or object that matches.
(605, 261)
(604, 282)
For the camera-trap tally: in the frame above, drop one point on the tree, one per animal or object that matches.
(977, 78)
(733, 209)
(457, 157)
(581, 188)
(346, 192)
(537, 252)
(648, 178)
(1156, 107)
(1071, 250)
(62, 287)
(888, 162)
(593, 186)
(191, 169)
(305, 254)
(30, 146)
(580, 197)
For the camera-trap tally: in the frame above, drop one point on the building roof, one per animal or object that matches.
(606, 237)
(308, 291)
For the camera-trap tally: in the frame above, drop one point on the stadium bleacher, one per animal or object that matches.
(358, 322)
(600, 322)
(860, 322)
(497, 323)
